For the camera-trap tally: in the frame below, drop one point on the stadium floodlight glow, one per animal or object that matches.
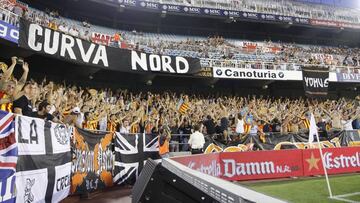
(163, 14)
(230, 20)
(121, 8)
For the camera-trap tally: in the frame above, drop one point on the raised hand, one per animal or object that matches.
(25, 67)
(13, 59)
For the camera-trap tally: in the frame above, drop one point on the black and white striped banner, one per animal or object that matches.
(44, 163)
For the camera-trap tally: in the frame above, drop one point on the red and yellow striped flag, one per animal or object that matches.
(183, 107)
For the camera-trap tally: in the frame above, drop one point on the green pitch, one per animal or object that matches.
(346, 188)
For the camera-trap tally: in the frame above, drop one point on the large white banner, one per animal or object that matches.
(256, 74)
(261, 74)
(44, 164)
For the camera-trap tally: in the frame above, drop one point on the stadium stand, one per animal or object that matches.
(144, 119)
(283, 7)
(213, 51)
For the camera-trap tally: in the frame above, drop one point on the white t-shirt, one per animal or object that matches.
(347, 125)
(240, 126)
(103, 123)
(196, 140)
(73, 32)
(63, 29)
(254, 129)
(80, 119)
(125, 130)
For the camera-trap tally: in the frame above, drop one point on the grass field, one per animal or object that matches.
(311, 189)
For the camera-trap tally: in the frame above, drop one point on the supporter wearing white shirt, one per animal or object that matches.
(103, 123)
(347, 125)
(240, 125)
(254, 128)
(125, 128)
(196, 141)
(85, 35)
(63, 28)
(73, 32)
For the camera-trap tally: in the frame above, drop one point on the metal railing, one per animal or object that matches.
(205, 62)
(9, 17)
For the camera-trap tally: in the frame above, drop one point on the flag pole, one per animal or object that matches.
(313, 124)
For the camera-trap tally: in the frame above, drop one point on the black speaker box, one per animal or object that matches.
(158, 184)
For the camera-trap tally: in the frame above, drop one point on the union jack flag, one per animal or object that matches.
(131, 153)
(8, 157)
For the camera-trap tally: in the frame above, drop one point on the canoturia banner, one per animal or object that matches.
(62, 46)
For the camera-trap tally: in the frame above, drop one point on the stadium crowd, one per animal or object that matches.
(134, 112)
(130, 112)
(211, 50)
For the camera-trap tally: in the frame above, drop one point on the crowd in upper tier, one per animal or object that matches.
(213, 50)
(278, 7)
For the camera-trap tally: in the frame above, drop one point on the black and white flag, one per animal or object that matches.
(131, 153)
(44, 163)
(316, 81)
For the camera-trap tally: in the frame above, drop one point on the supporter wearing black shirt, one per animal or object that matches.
(23, 105)
(43, 113)
(185, 128)
(210, 125)
(276, 126)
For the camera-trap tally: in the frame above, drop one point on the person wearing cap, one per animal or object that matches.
(43, 113)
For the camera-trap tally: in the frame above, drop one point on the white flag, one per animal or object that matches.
(313, 129)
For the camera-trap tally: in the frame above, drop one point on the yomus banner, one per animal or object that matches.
(69, 48)
(316, 81)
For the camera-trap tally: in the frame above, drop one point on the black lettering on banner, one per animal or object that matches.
(34, 137)
(228, 72)
(33, 132)
(21, 139)
(62, 183)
